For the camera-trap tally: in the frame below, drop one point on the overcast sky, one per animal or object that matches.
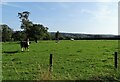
(76, 17)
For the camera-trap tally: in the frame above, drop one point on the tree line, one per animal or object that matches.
(40, 32)
(37, 31)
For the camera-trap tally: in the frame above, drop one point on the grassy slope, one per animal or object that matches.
(80, 60)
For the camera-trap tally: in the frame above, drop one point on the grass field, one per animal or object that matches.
(72, 60)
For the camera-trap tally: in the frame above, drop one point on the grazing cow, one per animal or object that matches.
(72, 39)
(25, 45)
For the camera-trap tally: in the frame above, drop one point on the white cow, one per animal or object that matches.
(72, 39)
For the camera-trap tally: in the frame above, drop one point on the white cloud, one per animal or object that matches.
(102, 12)
(104, 19)
(11, 4)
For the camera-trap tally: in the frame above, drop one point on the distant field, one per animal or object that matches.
(72, 60)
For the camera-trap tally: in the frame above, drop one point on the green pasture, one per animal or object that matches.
(72, 60)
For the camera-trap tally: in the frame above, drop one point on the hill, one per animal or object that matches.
(78, 36)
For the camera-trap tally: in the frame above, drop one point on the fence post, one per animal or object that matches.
(115, 59)
(50, 62)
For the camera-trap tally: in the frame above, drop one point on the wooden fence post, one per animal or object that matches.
(50, 62)
(115, 59)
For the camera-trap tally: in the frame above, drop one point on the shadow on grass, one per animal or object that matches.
(10, 52)
(106, 78)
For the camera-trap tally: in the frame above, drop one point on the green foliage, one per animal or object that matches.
(25, 22)
(47, 36)
(6, 33)
(72, 60)
(38, 31)
(18, 35)
(33, 31)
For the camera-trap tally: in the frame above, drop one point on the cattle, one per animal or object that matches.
(72, 39)
(25, 45)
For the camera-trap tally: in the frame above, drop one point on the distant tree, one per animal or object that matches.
(61, 37)
(0, 33)
(97, 36)
(47, 36)
(6, 33)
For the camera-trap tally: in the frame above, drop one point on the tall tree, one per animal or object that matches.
(36, 31)
(26, 23)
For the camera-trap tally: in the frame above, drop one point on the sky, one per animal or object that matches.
(72, 17)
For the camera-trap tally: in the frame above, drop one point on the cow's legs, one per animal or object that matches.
(22, 49)
(27, 48)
